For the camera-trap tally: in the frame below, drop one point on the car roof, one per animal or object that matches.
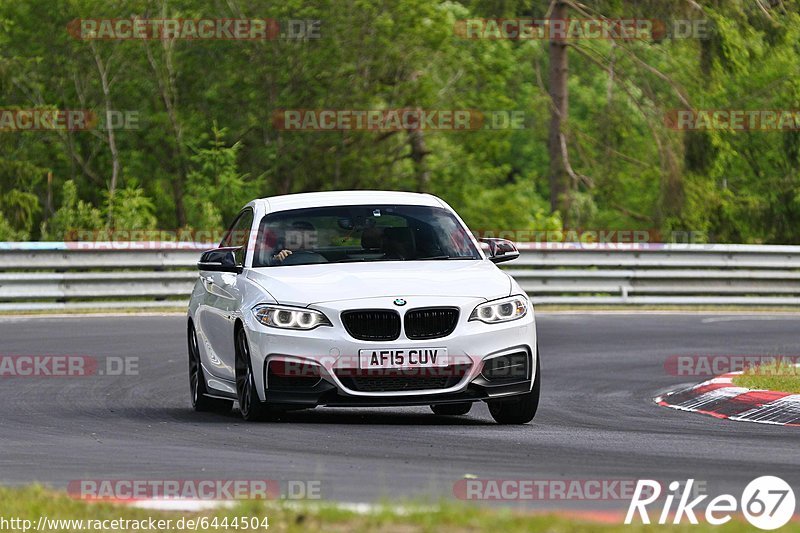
(331, 198)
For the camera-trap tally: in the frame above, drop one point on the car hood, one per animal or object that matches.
(310, 284)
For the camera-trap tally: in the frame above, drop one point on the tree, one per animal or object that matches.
(560, 186)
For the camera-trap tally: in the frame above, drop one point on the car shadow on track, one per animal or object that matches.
(338, 416)
(376, 417)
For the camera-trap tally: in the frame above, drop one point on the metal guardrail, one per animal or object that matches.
(121, 275)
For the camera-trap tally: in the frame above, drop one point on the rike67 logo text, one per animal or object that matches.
(767, 502)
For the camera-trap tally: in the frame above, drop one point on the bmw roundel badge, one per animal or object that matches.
(399, 302)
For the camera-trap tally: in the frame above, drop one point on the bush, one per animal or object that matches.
(74, 216)
(129, 209)
(216, 189)
(7, 233)
(18, 210)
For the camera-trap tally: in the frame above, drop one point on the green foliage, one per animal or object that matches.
(510, 207)
(130, 209)
(74, 217)
(206, 143)
(20, 210)
(216, 190)
(8, 233)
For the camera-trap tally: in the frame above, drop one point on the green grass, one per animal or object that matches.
(32, 502)
(777, 376)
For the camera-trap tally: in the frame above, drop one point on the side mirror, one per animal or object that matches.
(501, 250)
(220, 260)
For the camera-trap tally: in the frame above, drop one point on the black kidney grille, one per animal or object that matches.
(372, 324)
(431, 323)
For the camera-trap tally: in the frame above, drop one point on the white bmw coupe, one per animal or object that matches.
(360, 298)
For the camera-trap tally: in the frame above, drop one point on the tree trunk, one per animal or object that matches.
(102, 68)
(166, 79)
(560, 189)
(418, 152)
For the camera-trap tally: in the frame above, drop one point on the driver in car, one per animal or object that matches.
(301, 235)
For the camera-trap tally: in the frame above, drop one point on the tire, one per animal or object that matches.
(519, 409)
(197, 380)
(250, 406)
(452, 409)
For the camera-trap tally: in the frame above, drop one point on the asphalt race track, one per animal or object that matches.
(597, 419)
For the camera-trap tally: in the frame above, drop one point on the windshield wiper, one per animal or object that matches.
(360, 260)
(431, 258)
(438, 257)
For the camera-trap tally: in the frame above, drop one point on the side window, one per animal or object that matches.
(239, 234)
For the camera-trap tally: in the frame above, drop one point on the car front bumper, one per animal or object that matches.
(327, 394)
(330, 354)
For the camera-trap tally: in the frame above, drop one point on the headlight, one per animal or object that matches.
(289, 318)
(501, 310)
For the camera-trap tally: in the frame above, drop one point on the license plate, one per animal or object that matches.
(405, 358)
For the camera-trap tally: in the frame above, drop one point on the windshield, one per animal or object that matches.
(343, 234)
